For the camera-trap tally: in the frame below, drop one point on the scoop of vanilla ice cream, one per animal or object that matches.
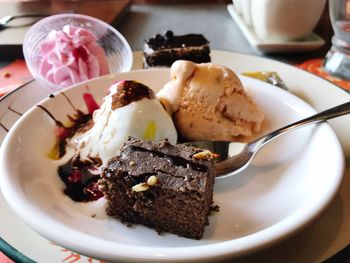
(208, 102)
(130, 109)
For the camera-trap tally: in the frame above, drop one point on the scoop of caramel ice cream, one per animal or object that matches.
(208, 102)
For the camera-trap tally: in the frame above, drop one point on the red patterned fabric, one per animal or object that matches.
(315, 66)
(13, 76)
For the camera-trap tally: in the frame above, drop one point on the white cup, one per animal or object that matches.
(246, 11)
(285, 20)
(238, 6)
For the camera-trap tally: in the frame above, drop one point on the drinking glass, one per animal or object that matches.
(337, 61)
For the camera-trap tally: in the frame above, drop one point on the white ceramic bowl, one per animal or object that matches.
(263, 205)
(115, 46)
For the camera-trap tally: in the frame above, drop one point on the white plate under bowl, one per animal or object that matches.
(263, 205)
(309, 42)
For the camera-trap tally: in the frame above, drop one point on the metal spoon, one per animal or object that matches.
(5, 20)
(245, 152)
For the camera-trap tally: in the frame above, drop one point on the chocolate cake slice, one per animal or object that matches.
(163, 50)
(162, 186)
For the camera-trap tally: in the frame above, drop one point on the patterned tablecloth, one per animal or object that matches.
(315, 66)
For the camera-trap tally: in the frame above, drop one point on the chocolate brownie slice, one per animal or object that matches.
(163, 50)
(165, 187)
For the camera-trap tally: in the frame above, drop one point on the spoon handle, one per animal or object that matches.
(334, 112)
(240, 161)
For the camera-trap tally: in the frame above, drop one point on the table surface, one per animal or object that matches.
(214, 21)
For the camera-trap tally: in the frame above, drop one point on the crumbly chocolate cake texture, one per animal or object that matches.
(163, 186)
(163, 50)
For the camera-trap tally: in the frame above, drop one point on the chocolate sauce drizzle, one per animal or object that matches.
(79, 121)
(81, 184)
(69, 101)
(80, 177)
(130, 91)
(58, 123)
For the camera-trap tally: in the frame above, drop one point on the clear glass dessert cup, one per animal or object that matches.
(337, 61)
(116, 48)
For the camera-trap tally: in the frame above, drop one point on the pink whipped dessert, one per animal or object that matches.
(71, 56)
